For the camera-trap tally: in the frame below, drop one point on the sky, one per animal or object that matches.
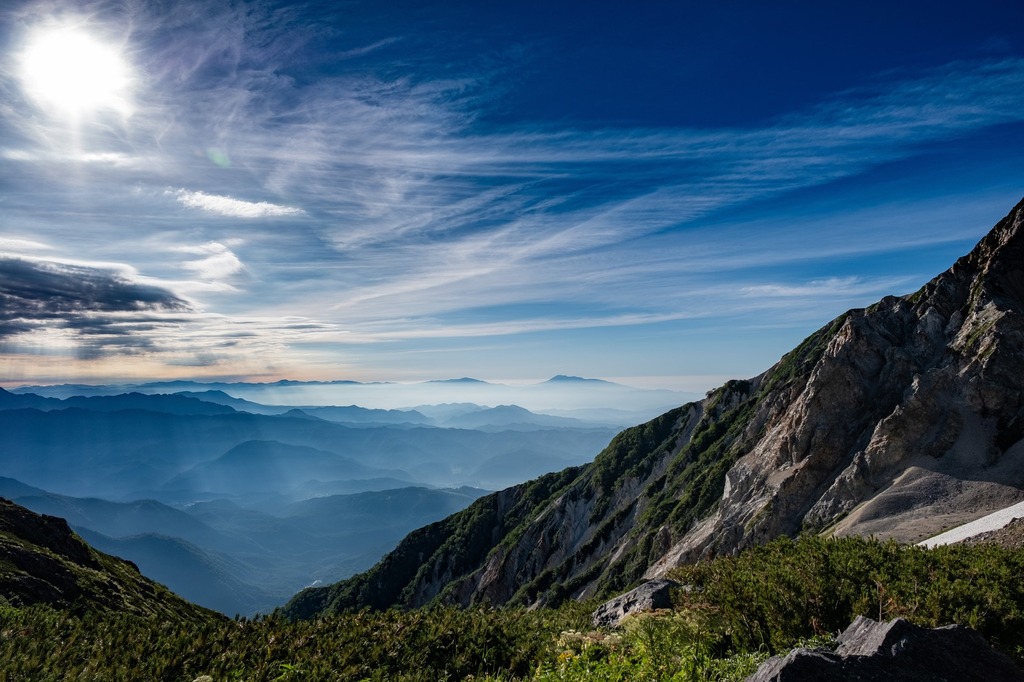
(659, 193)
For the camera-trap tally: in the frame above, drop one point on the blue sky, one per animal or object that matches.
(661, 193)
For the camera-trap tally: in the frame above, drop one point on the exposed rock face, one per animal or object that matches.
(869, 651)
(905, 423)
(898, 420)
(649, 596)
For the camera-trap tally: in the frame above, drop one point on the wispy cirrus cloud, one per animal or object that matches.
(443, 214)
(234, 208)
(832, 286)
(366, 49)
(377, 197)
(15, 245)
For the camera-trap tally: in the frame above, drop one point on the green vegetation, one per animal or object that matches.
(796, 365)
(40, 644)
(632, 453)
(693, 481)
(741, 610)
(43, 562)
(770, 596)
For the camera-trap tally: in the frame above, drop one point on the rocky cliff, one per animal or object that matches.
(898, 420)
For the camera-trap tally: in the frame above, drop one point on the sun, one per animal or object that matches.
(70, 72)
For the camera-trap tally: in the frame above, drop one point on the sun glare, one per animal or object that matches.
(68, 71)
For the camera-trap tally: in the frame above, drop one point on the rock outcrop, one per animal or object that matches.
(869, 651)
(649, 596)
(899, 420)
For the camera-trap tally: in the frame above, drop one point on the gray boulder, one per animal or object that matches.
(652, 595)
(870, 651)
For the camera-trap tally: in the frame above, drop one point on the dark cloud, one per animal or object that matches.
(51, 288)
(103, 307)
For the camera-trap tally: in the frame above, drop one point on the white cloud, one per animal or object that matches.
(18, 155)
(14, 245)
(366, 49)
(235, 208)
(63, 156)
(218, 261)
(418, 330)
(832, 286)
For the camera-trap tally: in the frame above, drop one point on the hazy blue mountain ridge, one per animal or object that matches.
(271, 466)
(200, 576)
(87, 453)
(237, 504)
(166, 403)
(559, 393)
(238, 560)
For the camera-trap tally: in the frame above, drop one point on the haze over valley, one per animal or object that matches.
(237, 505)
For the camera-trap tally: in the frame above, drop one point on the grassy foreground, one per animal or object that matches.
(741, 610)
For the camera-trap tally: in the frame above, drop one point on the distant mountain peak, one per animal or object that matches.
(512, 409)
(569, 379)
(463, 380)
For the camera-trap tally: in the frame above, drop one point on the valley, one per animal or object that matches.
(237, 505)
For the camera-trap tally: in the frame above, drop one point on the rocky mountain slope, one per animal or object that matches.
(43, 562)
(898, 420)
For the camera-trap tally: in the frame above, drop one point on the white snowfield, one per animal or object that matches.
(993, 521)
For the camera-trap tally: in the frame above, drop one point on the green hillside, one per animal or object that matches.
(43, 562)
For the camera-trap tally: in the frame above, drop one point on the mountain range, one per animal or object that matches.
(588, 398)
(243, 561)
(898, 420)
(143, 451)
(236, 505)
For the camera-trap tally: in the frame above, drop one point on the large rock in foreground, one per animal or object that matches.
(650, 596)
(870, 651)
